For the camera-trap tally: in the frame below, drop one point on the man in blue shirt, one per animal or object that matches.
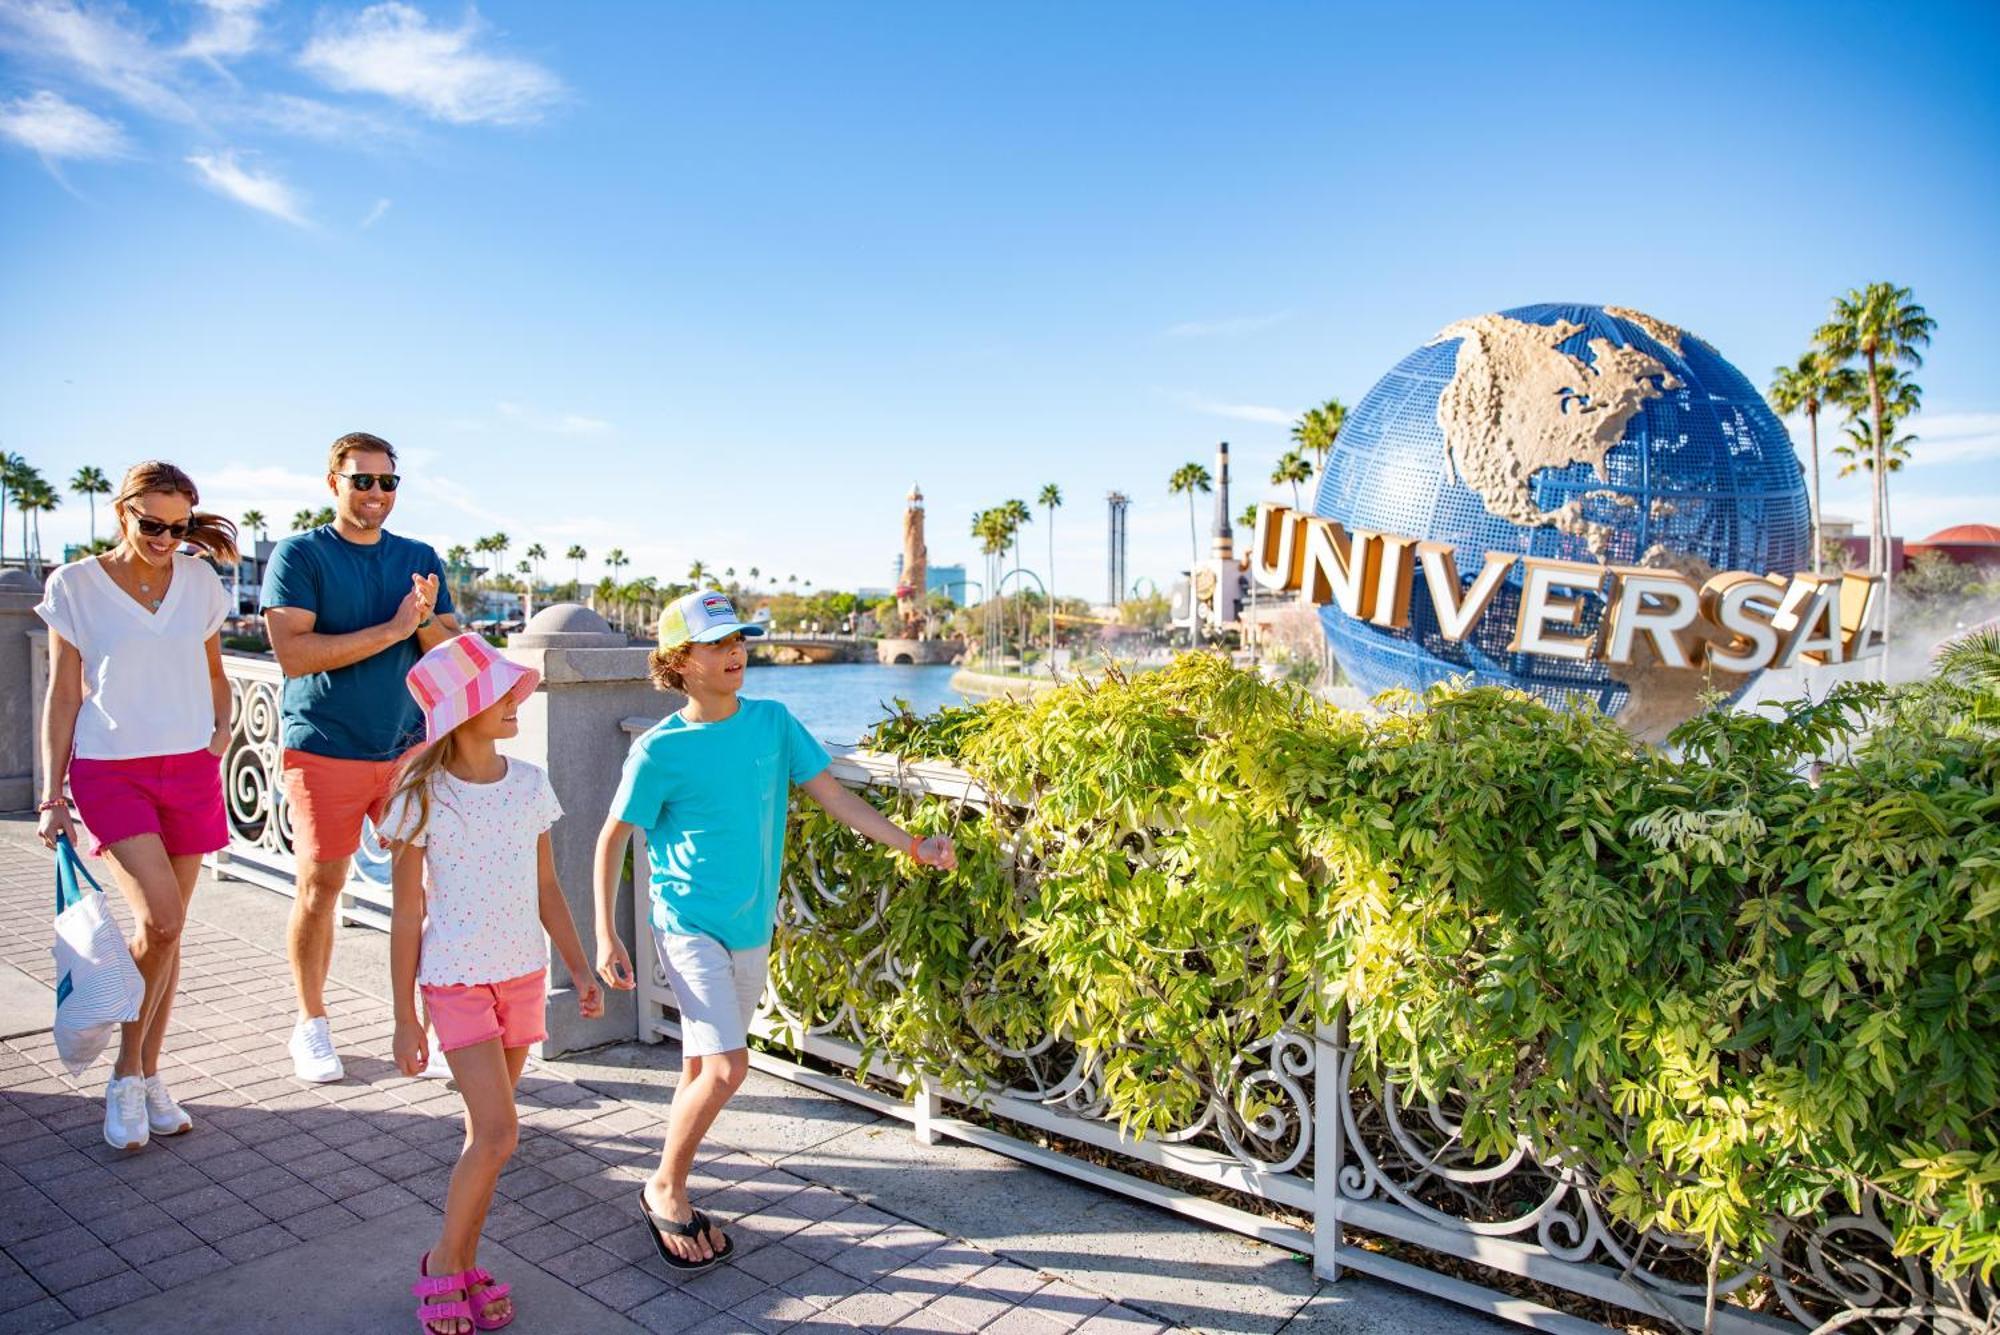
(349, 608)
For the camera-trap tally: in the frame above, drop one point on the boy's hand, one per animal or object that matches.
(412, 1049)
(937, 851)
(589, 998)
(614, 966)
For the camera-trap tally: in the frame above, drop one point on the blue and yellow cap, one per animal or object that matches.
(702, 617)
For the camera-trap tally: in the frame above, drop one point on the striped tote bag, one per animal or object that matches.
(98, 987)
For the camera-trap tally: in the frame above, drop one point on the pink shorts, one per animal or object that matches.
(178, 798)
(468, 1013)
(327, 797)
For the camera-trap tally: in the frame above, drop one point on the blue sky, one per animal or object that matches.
(721, 280)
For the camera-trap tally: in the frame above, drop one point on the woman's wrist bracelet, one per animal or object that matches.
(916, 848)
(51, 804)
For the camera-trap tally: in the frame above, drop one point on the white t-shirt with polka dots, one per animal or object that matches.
(482, 883)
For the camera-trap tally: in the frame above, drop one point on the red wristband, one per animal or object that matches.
(916, 845)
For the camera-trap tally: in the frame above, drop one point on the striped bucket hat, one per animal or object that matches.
(464, 676)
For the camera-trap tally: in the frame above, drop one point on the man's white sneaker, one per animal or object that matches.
(163, 1115)
(125, 1113)
(313, 1057)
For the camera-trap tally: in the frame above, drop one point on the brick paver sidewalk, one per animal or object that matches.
(274, 1164)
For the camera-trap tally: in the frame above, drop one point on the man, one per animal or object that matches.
(350, 608)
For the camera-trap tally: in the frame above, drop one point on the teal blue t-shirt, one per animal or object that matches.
(712, 798)
(362, 711)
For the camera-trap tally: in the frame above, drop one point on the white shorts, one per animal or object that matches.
(717, 989)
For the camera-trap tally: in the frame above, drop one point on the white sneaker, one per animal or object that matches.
(163, 1115)
(313, 1057)
(125, 1113)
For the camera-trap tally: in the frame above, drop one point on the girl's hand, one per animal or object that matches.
(218, 742)
(936, 851)
(614, 966)
(412, 1048)
(589, 998)
(54, 823)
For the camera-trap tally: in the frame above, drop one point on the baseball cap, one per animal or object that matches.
(701, 617)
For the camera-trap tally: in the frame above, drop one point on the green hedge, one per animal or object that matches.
(1720, 991)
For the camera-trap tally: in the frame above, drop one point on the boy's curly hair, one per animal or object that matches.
(664, 666)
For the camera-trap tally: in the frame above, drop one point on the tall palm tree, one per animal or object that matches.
(1807, 387)
(1293, 468)
(323, 517)
(1317, 428)
(994, 532)
(754, 573)
(90, 482)
(1018, 517)
(303, 520)
(1880, 323)
(254, 521)
(616, 560)
(1050, 499)
(40, 498)
(1189, 479)
(12, 466)
(576, 556)
(537, 554)
(699, 573)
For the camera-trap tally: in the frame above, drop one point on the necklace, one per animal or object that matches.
(145, 591)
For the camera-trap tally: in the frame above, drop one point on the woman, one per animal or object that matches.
(137, 720)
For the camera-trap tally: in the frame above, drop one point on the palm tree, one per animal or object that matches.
(36, 499)
(538, 554)
(1293, 468)
(994, 533)
(303, 520)
(12, 466)
(1880, 323)
(576, 556)
(616, 560)
(754, 573)
(1188, 479)
(1317, 428)
(254, 521)
(1050, 499)
(1806, 388)
(323, 517)
(91, 483)
(699, 573)
(1019, 516)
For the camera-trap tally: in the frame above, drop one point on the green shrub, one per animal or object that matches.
(1717, 991)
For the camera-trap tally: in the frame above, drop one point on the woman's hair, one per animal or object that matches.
(664, 666)
(212, 533)
(414, 780)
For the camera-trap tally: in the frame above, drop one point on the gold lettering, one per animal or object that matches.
(1340, 569)
(1860, 614)
(1456, 613)
(1542, 612)
(1278, 557)
(1659, 604)
(1808, 621)
(1394, 574)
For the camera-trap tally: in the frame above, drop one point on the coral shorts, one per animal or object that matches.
(468, 1013)
(328, 797)
(178, 798)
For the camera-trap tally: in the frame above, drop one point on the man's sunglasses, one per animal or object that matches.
(160, 528)
(369, 481)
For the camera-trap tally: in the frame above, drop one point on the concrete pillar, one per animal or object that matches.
(20, 704)
(573, 727)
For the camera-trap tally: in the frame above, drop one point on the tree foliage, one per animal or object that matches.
(1717, 989)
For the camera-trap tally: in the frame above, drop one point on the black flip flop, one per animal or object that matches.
(656, 1225)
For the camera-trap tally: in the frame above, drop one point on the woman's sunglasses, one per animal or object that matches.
(160, 528)
(369, 481)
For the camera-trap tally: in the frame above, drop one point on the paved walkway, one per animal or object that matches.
(292, 1206)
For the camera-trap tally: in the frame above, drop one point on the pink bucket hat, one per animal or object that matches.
(464, 676)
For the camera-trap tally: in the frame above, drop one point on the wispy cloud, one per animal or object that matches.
(1234, 326)
(95, 45)
(260, 190)
(376, 214)
(58, 130)
(231, 29)
(394, 50)
(564, 424)
(1238, 412)
(1955, 438)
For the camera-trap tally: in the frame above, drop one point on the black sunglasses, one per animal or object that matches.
(369, 481)
(160, 528)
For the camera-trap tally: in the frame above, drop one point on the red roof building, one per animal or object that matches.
(1966, 544)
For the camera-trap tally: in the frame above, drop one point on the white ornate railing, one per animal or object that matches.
(260, 825)
(1323, 1147)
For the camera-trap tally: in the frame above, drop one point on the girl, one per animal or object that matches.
(475, 889)
(136, 723)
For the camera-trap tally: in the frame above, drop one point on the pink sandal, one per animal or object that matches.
(480, 1293)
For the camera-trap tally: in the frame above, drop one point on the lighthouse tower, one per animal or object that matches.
(912, 593)
(1222, 554)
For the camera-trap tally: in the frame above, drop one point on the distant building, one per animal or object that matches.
(947, 580)
(1965, 544)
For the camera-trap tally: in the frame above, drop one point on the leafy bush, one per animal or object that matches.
(1719, 991)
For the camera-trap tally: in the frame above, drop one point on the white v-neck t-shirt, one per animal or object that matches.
(145, 673)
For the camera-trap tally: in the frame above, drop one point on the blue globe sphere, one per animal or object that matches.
(1581, 433)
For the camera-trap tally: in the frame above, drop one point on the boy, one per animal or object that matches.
(709, 786)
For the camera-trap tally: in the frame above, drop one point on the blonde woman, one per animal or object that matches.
(135, 724)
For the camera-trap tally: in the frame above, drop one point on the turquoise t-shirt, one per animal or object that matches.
(711, 798)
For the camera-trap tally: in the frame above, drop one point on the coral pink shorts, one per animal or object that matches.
(468, 1013)
(178, 798)
(327, 798)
